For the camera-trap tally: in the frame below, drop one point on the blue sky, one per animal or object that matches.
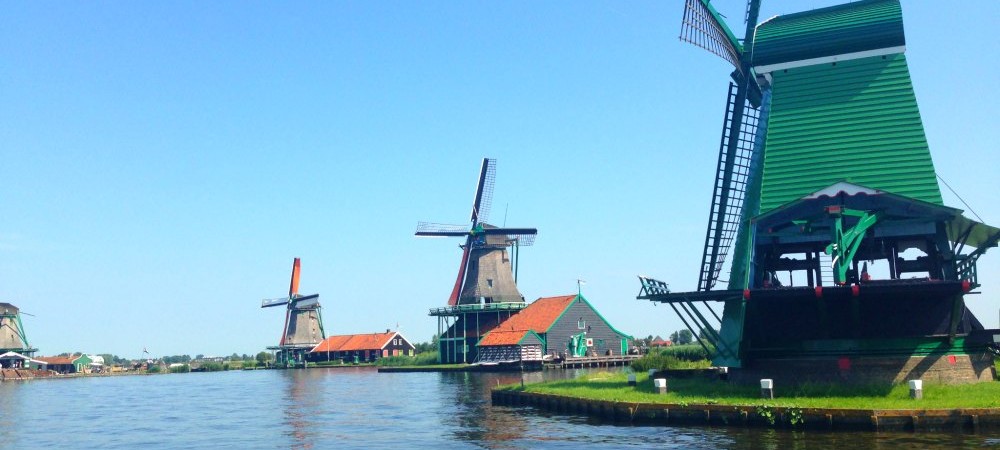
(162, 164)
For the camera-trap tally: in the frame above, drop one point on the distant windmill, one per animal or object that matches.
(485, 291)
(303, 322)
(12, 336)
(485, 273)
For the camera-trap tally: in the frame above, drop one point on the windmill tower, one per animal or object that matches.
(12, 336)
(823, 169)
(485, 291)
(303, 328)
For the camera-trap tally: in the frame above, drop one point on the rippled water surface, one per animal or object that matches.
(357, 408)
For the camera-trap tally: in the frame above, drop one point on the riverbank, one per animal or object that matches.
(443, 368)
(878, 408)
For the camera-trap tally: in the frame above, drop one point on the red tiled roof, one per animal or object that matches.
(498, 337)
(351, 342)
(538, 316)
(58, 359)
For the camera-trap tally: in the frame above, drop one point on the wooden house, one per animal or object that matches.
(500, 346)
(660, 342)
(67, 364)
(351, 348)
(567, 326)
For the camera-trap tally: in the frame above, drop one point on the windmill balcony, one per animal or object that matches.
(459, 309)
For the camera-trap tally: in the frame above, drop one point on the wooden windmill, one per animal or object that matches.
(303, 328)
(485, 291)
(12, 335)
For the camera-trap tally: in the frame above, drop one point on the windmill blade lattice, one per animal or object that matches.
(523, 237)
(729, 190)
(701, 27)
(431, 229)
(483, 202)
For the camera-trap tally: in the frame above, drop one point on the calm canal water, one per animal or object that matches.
(356, 408)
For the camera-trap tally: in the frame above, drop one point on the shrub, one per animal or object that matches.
(180, 369)
(676, 357)
(420, 359)
(154, 369)
(212, 367)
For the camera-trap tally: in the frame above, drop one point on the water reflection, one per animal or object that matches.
(475, 421)
(302, 403)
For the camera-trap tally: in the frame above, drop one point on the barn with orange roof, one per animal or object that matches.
(565, 326)
(352, 348)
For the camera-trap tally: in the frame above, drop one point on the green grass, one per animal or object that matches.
(421, 359)
(612, 387)
(212, 367)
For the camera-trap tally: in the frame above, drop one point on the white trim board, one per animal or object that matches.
(829, 59)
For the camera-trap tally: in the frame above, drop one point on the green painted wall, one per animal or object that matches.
(853, 121)
(836, 30)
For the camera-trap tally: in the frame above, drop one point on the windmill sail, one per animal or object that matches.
(703, 27)
(484, 192)
(729, 190)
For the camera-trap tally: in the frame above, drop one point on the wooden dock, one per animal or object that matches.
(593, 361)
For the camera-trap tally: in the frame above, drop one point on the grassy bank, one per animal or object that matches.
(690, 356)
(428, 359)
(613, 387)
(421, 359)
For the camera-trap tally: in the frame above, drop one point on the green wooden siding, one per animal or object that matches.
(854, 121)
(848, 28)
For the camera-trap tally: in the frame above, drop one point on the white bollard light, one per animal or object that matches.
(631, 379)
(916, 389)
(767, 388)
(661, 385)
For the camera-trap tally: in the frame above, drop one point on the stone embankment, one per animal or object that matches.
(22, 374)
(961, 419)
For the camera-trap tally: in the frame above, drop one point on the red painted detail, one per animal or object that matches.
(855, 290)
(952, 360)
(819, 291)
(966, 286)
(844, 363)
(833, 209)
(457, 290)
(746, 294)
(293, 287)
(284, 330)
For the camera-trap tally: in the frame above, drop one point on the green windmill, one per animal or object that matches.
(845, 262)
